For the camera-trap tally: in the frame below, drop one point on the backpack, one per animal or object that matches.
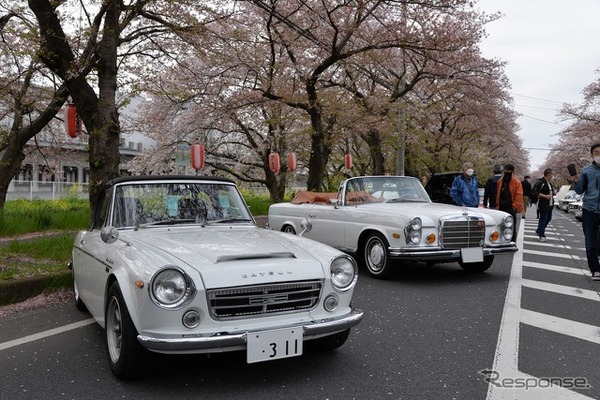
(535, 192)
(506, 202)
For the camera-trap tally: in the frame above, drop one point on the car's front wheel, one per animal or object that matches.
(479, 266)
(288, 229)
(376, 257)
(126, 356)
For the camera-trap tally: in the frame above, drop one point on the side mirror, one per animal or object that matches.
(306, 226)
(109, 234)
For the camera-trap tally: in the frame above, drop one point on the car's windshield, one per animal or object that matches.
(390, 189)
(148, 203)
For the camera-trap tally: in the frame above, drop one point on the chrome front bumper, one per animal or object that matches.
(437, 253)
(226, 342)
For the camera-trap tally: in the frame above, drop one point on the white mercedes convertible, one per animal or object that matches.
(380, 219)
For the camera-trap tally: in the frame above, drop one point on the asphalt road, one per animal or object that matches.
(428, 333)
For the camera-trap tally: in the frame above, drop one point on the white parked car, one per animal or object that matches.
(382, 218)
(570, 197)
(575, 208)
(176, 264)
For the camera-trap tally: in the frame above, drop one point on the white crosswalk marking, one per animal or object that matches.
(506, 361)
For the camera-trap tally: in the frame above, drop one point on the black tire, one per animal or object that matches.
(288, 229)
(478, 267)
(330, 342)
(375, 256)
(79, 304)
(127, 358)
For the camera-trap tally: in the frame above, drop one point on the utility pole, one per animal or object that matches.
(400, 158)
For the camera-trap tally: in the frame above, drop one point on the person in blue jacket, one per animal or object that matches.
(464, 188)
(587, 182)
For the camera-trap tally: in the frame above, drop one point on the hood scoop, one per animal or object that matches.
(238, 257)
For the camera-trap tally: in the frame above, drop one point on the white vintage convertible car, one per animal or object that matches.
(384, 218)
(176, 264)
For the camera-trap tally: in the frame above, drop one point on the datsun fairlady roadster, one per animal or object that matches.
(385, 218)
(177, 265)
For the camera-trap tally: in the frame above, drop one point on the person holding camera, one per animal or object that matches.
(587, 182)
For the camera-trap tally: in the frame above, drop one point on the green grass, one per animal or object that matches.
(43, 256)
(258, 203)
(24, 216)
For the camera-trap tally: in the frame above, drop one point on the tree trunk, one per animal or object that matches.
(373, 140)
(99, 113)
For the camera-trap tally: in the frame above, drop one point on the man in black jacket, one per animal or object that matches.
(544, 191)
(489, 194)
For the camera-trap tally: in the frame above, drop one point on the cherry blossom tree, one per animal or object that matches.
(86, 44)
(347, 71)
(30, 94)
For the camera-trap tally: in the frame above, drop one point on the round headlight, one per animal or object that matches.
(416, 224)
(170, 288)
(508, 221)
(343, 272)
(415, 237)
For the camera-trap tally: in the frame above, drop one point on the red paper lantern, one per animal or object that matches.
(73, 124)
(197, 156)
(292, 161)
(274, 163)
(348, 161)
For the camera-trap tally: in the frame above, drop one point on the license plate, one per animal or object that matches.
(471, 254)
(274, 345)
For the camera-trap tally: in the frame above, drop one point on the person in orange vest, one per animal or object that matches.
(509, 196)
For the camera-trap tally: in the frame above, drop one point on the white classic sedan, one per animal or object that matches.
(382, 218)
(176, 264)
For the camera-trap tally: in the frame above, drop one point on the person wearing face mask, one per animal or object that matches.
(509, 196)
(545, 192)
(464, 188)
(587, 182)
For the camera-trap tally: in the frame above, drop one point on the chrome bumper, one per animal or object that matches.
(225, 341)
(437, 253)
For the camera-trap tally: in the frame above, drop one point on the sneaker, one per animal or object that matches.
(596, 276)
(542, 238)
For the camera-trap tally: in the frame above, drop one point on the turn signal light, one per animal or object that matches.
(431, 238)
(494, 236)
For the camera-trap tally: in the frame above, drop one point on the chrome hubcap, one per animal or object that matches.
(114, 330)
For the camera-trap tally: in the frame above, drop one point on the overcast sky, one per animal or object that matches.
(553, 51)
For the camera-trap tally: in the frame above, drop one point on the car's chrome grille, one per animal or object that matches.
(263, 299)
(457, 234)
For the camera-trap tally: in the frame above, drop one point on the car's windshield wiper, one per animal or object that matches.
(171, 221)
(399, 200)
(228, 220)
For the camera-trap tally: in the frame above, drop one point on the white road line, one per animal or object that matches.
(45, 334)
(564, 326)
(561, 289)
(506, 360)
(555, 255)
(557, 268)
(547, 244)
